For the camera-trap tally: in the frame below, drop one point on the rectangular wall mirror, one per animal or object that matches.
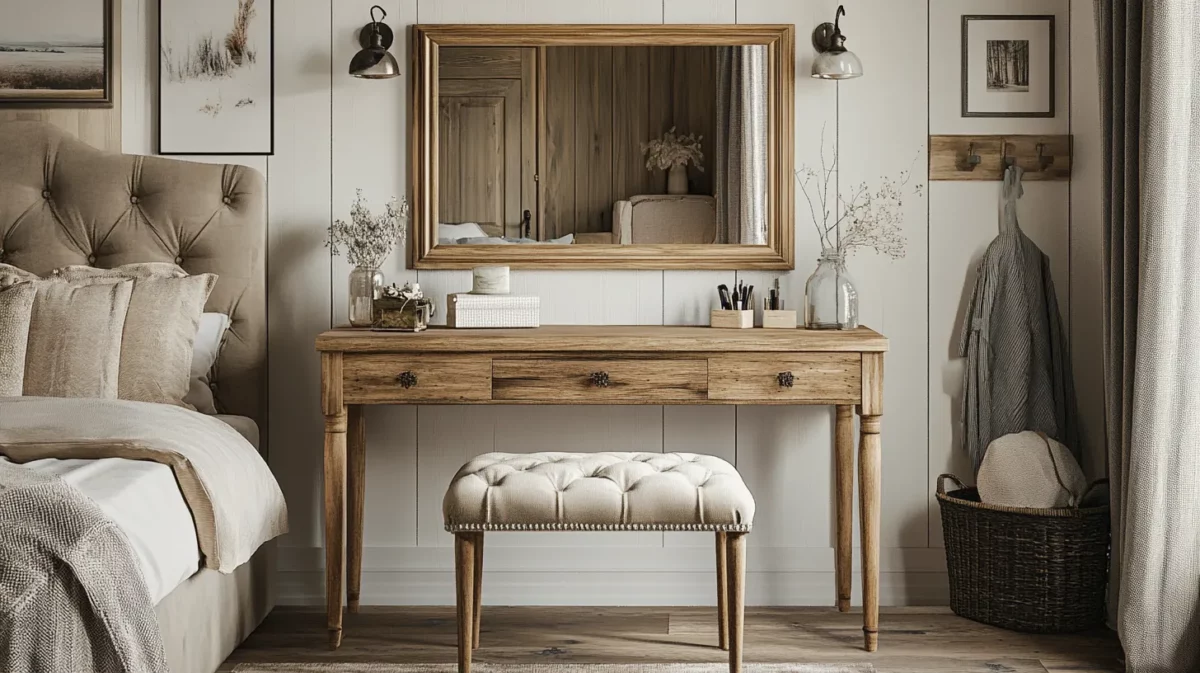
(550, 146)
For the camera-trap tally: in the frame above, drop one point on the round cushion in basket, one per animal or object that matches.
(1028, 469)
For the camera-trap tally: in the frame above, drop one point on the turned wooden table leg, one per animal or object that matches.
(356, 474)
(335, 510)
(869, 457)
(335, 490)
(844, 490)
(722, 592)
(869, 467)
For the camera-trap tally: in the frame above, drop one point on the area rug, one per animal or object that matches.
(552, 668)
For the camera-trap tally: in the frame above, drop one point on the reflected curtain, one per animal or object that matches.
(740, 154)
(1150, 84)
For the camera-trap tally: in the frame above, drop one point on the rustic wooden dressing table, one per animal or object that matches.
(601, 365)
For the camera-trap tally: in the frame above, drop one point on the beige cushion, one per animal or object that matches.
(16, 307)
(75, 333)
(598, 491)
(1029, 469)
(11, 275)
(164, 313)
(666, 218)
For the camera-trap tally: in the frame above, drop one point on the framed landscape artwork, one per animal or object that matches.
(216, 77)
(1008, 66)
(56, 53)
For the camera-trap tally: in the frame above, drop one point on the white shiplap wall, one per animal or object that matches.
(335, 133)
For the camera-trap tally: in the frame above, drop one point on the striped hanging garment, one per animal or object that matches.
(1018, 371)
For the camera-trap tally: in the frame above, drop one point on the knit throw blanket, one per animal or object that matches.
(72, 597)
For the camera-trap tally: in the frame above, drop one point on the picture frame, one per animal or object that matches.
(57, 54)
(216, 78)
(1009, 67)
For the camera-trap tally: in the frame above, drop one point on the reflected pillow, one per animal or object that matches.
(450, 233)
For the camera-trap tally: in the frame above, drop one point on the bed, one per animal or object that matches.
(106, 210)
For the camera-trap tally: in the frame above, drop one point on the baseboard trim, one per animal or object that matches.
(607, 588)
(695, 558)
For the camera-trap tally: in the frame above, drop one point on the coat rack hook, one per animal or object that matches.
(1007, 160)
(972, 159)
(1044, 161)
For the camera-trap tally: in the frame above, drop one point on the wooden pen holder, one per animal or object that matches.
(731, 319)
(779, 319)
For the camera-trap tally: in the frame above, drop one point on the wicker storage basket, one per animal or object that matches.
(1035, 570)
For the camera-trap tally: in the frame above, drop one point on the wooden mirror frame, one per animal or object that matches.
(779, 253)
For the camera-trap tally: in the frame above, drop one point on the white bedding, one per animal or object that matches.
(163, 536)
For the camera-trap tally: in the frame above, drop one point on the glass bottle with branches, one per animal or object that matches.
(866, 218)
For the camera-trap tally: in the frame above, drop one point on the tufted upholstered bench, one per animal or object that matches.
(599, 492)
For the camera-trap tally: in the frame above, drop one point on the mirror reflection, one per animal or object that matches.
(619, 145)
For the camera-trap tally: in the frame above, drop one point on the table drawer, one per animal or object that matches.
(600, 381)
(387, 378)
(815, 377)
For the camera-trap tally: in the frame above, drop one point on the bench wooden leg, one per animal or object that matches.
(722, 593)
(735, 559)
(464, 573)
(477, 588)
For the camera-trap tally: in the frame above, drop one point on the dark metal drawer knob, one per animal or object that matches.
(786, 379)
(601, 379)
(407, 380)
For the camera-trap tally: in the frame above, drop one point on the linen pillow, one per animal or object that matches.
(16, 308)
(205, 351)
(74, 346)
(11, 275)
(160, 328)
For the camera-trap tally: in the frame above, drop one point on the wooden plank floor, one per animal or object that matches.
(911, 640)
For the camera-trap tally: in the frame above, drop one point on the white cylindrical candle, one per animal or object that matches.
(489, 280)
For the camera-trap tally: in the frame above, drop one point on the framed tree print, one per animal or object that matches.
(216, 77)
(1008, 66)
(56, 53)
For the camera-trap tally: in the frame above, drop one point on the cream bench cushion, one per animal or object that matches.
(598, 491)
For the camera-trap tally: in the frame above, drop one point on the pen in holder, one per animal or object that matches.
(731, 319)
(774, 315)
(779, 319)
(737, 307)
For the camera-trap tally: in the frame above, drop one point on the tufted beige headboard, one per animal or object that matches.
(63, 202)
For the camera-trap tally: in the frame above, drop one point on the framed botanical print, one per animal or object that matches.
(216, 83)
(1008, 65)
(56, 53)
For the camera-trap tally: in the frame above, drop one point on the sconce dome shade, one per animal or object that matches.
(837, 65)
(374, 63)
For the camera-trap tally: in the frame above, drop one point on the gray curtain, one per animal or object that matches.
(1150, 85)
(740, 156)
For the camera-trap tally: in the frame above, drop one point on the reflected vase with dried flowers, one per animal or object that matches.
(672, 153)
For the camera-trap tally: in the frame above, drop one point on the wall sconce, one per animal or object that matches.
(833, 61)
(374, 61)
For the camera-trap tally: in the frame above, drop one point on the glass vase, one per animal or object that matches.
(365, 283)
(830, 300)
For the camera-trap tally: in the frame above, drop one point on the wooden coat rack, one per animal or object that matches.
(985, 157)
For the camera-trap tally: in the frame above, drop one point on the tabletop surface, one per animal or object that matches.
(603, 338)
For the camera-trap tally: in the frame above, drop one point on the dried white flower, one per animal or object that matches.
(369, 239)
(869, 219)
(673, 150)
